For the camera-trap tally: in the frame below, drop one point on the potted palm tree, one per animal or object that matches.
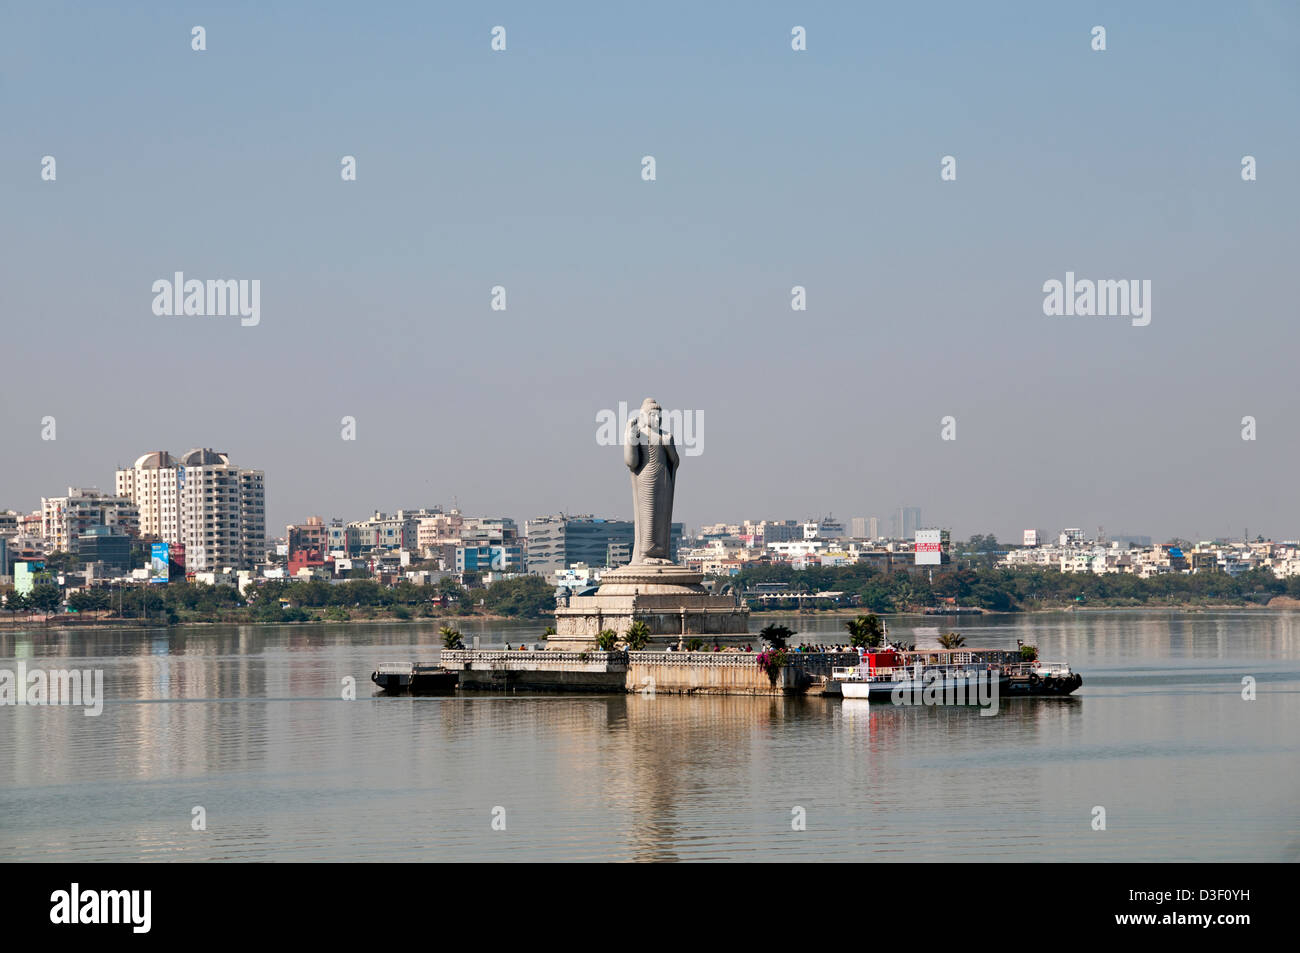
(778, 635)
(865, 631)
(638, 635)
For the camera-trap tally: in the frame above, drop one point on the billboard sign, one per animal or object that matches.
(158, 569)
(175, 561)
(929, 547)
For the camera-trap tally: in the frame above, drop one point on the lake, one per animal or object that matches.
(248, 724)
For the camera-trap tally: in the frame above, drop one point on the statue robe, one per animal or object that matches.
(654, 475)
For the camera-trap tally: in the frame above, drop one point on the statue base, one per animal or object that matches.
(670, 599)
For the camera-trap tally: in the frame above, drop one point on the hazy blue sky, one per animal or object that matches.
(775, 168)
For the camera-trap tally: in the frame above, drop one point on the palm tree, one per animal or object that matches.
(607, 640)
(865, 631)
(638, 635)
(777, 635)
(952, 640)
(548, 632)
(694, 645)
(451, 639)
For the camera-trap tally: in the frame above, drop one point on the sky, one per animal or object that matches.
(774, 168)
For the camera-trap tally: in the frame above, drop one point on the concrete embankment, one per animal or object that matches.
(681, 673)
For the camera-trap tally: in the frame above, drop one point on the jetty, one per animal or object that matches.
(415, 679)
(671, 673)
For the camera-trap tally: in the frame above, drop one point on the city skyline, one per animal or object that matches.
(819, 169)
(887, 520)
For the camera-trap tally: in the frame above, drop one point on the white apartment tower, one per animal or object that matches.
(151, 483)
(216, 509)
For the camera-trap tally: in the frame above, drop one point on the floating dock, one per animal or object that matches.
(410, 678)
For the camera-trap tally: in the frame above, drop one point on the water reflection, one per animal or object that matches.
(249, 722)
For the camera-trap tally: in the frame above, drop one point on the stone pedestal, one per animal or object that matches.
(669, 599)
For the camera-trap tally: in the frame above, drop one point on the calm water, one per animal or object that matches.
(248, 722)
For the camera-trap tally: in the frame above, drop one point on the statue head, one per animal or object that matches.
(649, 415)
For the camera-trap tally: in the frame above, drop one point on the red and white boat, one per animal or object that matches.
(952, 673)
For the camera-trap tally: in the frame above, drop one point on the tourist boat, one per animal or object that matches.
(955, 673)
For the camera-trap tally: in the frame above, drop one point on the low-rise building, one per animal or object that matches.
(65, 519)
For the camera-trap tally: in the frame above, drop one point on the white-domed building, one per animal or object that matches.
(202, 500)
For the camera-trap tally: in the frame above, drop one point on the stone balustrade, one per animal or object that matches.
(725, 673)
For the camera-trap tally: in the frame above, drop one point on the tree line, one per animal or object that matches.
(279, 600)
(1010, 590)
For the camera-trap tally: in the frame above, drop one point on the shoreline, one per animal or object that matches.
(61, 622)
(1150, 607)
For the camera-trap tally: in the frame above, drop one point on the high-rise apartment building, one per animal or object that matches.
(865, 527)
(152, 483)
(907, 522)
(216, 509)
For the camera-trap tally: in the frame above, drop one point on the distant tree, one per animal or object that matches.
(15, 601)
(694, 645)
(548, 632)
(607, 640)
(89, 600)
(952, 640)
(528, 596)
(876, 596)
(904, 590)
(45, 598)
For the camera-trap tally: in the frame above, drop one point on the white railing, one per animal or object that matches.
(902, 673)
(479, 655)
(1051, 668)
(802, 660)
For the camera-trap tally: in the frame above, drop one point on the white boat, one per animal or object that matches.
(951, 674)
